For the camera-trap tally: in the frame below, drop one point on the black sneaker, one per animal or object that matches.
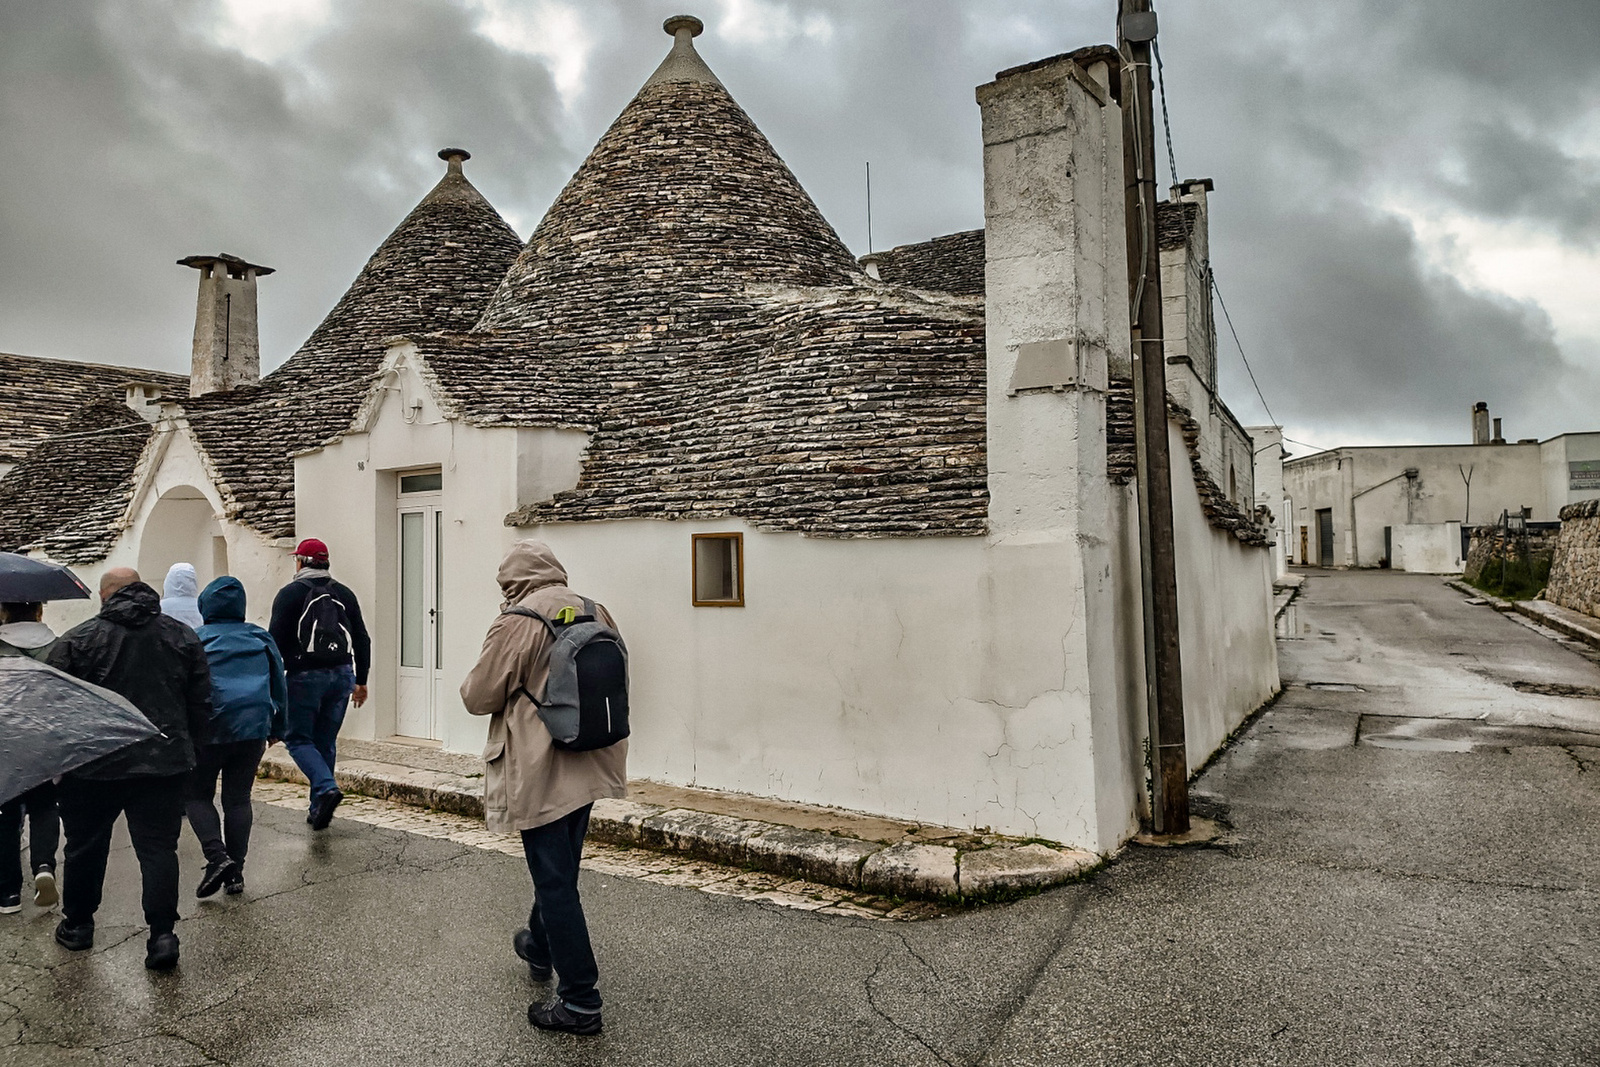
(563, 1020)
(75, 936)
(10, 905)
(161, 952)
(322, 810)
(522, 945)
(215, 877)
(233, 884)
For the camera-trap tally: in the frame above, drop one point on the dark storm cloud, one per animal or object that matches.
(136, 138)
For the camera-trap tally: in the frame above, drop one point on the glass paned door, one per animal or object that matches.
(421, 639)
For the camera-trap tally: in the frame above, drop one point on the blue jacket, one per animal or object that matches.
(249, 696)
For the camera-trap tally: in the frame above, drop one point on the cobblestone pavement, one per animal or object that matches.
(1408, 876)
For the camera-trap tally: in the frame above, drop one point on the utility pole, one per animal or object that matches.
(1169, 763)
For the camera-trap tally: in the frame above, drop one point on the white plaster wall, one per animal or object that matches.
(1554, 455)
(1268, 482)
(1427, 548)
(1366, 489)
(347, 494)
(1229, 655)
(175, 511)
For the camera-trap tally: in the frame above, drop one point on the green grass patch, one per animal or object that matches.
(1520, 579)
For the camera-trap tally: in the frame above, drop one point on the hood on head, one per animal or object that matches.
(181, 580)
(223, 600)
(132, 605)
(26, 635)
(528, 566)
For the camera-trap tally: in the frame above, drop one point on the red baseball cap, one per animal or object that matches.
(312, 549)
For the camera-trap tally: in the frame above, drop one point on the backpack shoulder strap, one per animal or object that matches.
(518, 609)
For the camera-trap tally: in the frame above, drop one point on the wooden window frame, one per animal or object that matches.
(738, 570)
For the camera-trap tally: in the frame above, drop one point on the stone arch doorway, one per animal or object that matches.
(182, 528)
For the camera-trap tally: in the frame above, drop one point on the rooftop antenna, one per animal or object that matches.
(869, 207)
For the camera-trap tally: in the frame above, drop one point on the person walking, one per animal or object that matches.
(249, 702)
(158, 664)
(317, 625)
(23, 633)
(178, 595)
(538, 789)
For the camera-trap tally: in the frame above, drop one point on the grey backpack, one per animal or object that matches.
(585, 701)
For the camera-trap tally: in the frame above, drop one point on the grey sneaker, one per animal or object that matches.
(45, 893)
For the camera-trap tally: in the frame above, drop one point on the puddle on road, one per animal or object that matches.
(1557, 689)
(1335, 687)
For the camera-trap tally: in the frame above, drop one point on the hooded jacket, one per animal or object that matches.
(156, 662)
(528, 782)
(178, 595)
(26, 639)
(249, 697)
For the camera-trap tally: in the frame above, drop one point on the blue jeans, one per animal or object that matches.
(560, 933)
(317, 702)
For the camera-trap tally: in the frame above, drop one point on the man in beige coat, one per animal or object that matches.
(541, 791)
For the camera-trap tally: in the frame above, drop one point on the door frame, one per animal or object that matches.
(419, 682)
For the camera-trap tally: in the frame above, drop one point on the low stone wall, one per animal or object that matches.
(1575, 567)
(1487, 546)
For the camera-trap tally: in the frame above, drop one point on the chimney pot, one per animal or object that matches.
(455, 157)
(869, 263)
(227, 346)
(1498, 438)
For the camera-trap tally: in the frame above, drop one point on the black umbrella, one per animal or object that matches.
(27, 581)
(51, 723)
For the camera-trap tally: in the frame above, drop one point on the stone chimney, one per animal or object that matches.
(1480, 423)
(227, 346)
(1499, 438)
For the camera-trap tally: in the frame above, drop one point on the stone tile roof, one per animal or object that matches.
(949, 264)
(681, 193)
(1122, 463)
(436, 271)
(40, 397)
(1174, 223)
(68, 495)
(686, 303)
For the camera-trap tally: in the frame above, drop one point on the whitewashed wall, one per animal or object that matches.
(1427, 548)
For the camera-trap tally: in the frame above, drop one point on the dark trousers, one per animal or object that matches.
(560, 934)
(44, 835)
(235, 762)
(89, 809)
(317, 702)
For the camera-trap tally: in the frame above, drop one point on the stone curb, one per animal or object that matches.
(1575, 630)
(1493, 601)
(908, 869)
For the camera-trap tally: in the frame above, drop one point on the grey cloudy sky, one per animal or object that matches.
(1407, 213)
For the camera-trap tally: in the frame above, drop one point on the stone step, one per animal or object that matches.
(889, 858)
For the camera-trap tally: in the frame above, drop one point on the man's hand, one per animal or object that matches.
(359, 697)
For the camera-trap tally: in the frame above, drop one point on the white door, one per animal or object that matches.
(421, 636)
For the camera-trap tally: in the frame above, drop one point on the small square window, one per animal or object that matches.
(719, 570)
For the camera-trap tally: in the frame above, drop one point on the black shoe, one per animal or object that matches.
(563, 1020)
(233, 884)
(11, 904)
(522, 945)
(216, 876)
(161, 952)
(75, 936)
(322, 810)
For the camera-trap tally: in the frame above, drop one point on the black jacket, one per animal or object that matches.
(156, 662)
(285, 624)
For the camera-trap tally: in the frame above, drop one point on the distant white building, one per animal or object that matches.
(869, 530)
(1390, 504)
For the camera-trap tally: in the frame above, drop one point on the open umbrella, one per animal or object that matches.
(51, 723)
(24, 580)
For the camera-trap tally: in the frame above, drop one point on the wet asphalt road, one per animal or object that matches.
(1410, 877)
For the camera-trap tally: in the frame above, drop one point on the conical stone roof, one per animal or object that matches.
(436, 271)
(682, 192)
